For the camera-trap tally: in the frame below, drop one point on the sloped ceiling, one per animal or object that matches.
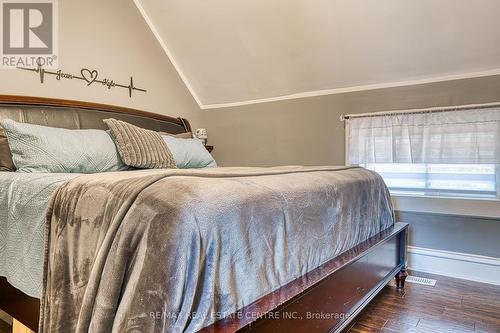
(244, 51)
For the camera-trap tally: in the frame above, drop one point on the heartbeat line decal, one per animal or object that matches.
(87, 75)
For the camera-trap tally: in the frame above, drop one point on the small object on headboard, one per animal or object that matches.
(201, 134)
(87, 75)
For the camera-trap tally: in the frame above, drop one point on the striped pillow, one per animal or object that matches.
(139, 147)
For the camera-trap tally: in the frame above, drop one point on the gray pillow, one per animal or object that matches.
(189, 153)
(37, 148)
(140, 147)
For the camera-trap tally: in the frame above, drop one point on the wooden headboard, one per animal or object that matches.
(76, 114)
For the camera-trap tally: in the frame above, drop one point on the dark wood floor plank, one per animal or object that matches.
(452, 306)
(371, 320)
(446, 324)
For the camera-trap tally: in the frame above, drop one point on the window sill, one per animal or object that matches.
(439, 197)
(484, 207)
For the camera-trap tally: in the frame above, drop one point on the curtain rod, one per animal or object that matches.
(426, 110)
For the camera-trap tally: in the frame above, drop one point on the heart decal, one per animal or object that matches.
(89, 76)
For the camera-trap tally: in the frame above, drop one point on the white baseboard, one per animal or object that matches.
(454, 264)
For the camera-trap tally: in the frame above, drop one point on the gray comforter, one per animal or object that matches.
(175, 250)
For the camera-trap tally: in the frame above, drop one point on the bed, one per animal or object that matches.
(246, 249)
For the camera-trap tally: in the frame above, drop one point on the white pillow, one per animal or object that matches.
(189, 153)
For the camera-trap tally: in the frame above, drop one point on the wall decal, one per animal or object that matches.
(87, 75)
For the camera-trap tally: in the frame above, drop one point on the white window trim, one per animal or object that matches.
(498, 182)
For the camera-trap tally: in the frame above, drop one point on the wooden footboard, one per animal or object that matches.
(324, 300)
(328, 298)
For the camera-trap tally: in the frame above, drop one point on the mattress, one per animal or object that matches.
(273, 225)
(175, 250)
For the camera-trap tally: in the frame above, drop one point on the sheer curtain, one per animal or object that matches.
(467, 136)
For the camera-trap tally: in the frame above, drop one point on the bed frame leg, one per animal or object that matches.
(400, 279)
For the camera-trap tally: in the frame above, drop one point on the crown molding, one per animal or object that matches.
(436, 79)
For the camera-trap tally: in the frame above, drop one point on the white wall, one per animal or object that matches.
(234, 51)
(112, 37)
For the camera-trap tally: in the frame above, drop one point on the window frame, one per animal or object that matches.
(498, 181)
(443, 193)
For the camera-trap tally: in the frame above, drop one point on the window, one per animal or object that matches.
(446, 152)
(454, 180)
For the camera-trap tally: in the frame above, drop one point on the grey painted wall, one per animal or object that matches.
(308, 131)
(475, 235)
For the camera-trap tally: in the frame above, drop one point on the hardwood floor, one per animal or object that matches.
(452, 306)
